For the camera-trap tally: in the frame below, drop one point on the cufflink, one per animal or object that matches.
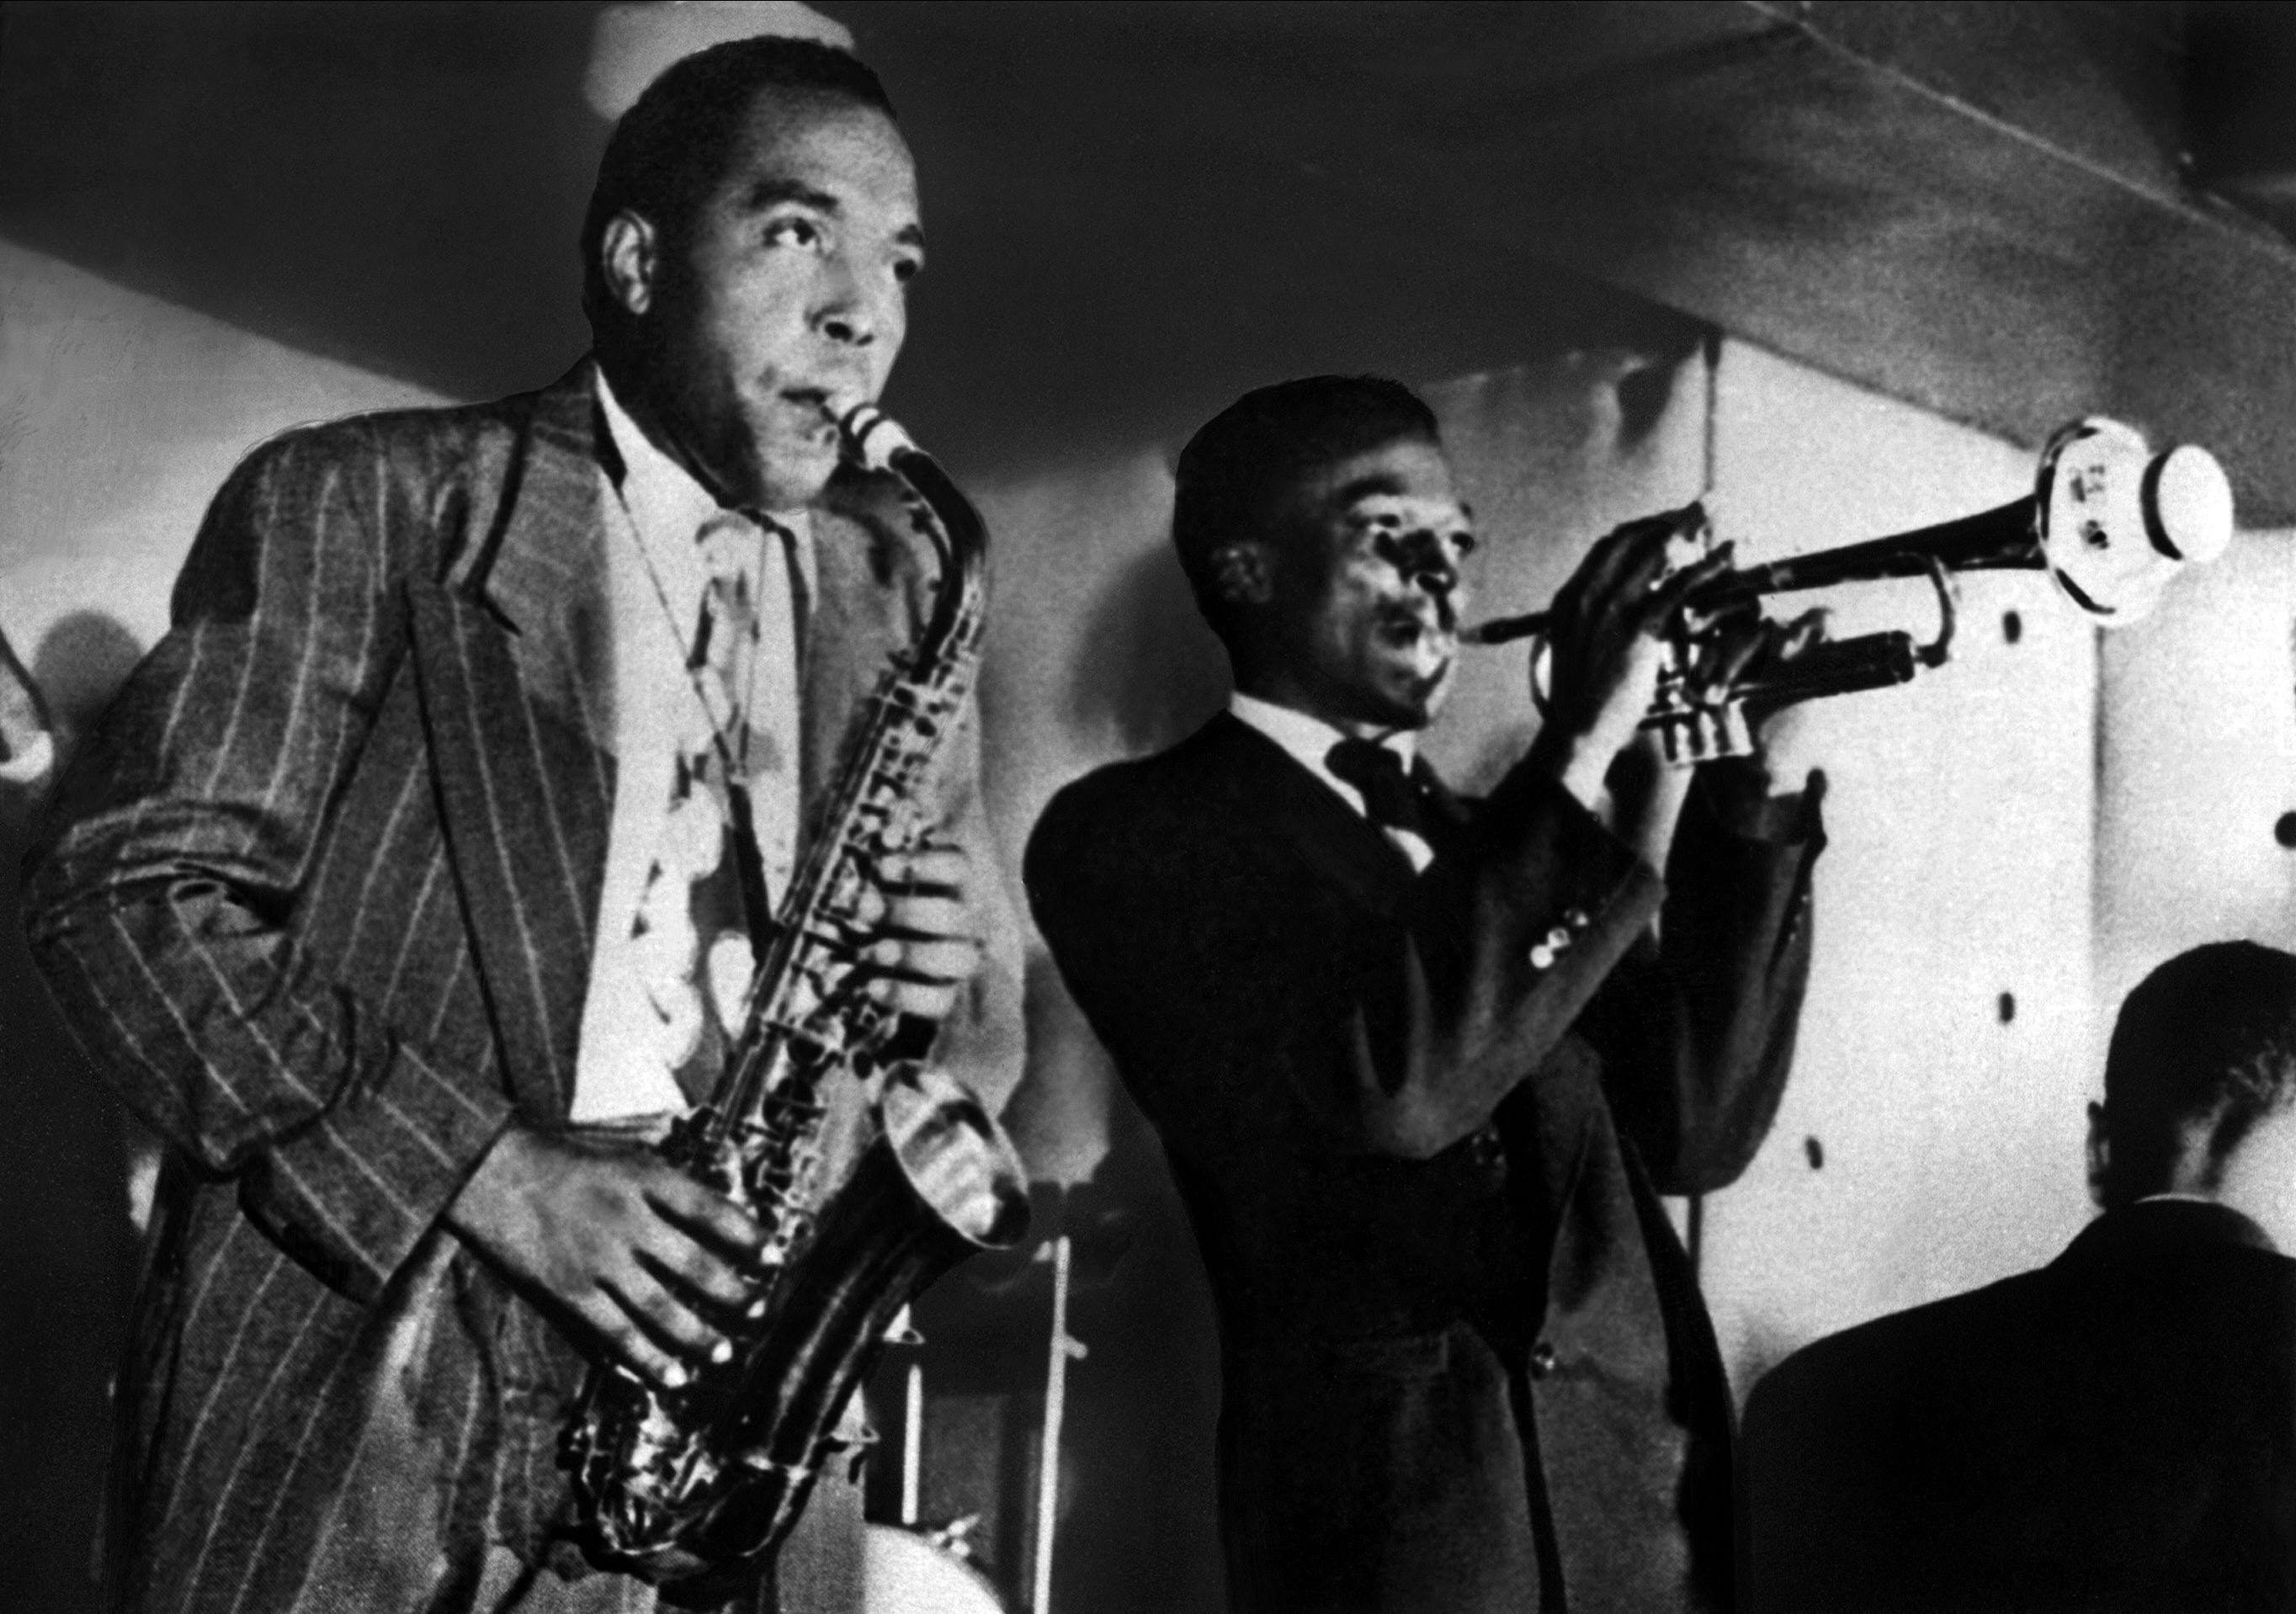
(1558, 940)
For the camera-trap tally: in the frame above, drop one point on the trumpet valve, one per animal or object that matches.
(1691, 729)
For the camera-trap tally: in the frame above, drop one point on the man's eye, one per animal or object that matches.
(793, 233)
(906, 269)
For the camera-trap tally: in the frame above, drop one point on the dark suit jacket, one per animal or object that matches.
(319, 898)
(1450, 1383)
(2114, 1431)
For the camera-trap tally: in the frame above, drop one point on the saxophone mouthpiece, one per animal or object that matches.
(873, 437)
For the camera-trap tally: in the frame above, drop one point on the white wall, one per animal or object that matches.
(2198, 764)
(1959, 870)
(120, 417)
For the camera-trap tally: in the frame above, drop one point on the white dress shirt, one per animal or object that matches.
(29, 766)
(1308, 741)
(655, 576)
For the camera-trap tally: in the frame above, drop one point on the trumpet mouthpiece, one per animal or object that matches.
(1504, 630)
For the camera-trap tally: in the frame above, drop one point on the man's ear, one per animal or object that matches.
(629, 258)
(1243, 572)
(2100, 1153)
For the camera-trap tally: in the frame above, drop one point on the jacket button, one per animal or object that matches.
(1542, 1359)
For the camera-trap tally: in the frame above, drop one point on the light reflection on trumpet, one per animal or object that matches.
(2110, 520)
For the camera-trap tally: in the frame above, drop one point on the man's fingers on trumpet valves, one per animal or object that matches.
(1604, 634)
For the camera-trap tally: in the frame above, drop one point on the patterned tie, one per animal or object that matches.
(729, 837)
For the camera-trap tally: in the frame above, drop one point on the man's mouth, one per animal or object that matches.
(1404, 624)
(1423, 635)
(815, 406)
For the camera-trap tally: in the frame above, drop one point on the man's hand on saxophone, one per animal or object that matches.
(603, 1232)
(599, 1228)
(927, 945)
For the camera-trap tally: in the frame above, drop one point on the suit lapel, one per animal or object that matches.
(1272, 792)
(1549, 1121)
(1447, 815)
(513, 657)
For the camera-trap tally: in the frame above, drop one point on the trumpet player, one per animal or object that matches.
(1423, 1066)
(413, 881)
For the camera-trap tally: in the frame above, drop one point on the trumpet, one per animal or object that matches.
(2112, 522)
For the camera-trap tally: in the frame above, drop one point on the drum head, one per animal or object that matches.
(903, 1573)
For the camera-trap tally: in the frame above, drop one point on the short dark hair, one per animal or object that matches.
(2207, 1041)
(1237, 469)
(671, 148)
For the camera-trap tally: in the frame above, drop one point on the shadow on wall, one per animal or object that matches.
(1156, 671)
(81, 662)
(67, 1266)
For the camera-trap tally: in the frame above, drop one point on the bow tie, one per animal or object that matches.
(1391, 797)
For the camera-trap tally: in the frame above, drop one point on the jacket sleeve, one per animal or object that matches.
(981, 1042)
(1697, 1029)
(1236, 1008)
(161, 890)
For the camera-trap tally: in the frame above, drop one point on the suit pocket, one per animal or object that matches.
(1397, 1357)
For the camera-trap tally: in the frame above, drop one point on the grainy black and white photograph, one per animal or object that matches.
(1147, 808)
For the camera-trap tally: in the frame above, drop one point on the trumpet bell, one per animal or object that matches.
(2114, 521)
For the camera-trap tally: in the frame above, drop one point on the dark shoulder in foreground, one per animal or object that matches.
(1851, 1369)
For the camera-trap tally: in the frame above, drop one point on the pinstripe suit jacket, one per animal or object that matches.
(319, 900)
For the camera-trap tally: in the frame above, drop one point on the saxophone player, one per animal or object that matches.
(414, 878)
(1420, 1066)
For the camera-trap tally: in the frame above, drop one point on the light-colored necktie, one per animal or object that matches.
(707, 897)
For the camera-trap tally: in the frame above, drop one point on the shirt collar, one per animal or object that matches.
(1310, 739)
(667, 504)
(2166, 1221)
(662, 496)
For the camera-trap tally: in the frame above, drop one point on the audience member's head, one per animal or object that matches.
(2201, 1081)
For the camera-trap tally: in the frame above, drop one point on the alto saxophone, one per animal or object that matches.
(696, 1487)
